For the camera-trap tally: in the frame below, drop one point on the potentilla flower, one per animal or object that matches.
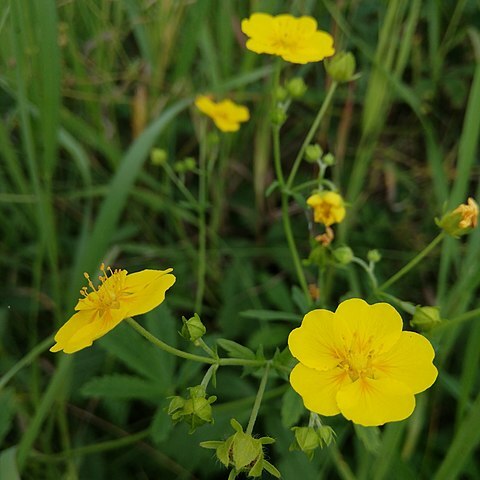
(358, 362)
(296, 40)
(120, 295)
(328, 207)
(460, 221)
(226, 114)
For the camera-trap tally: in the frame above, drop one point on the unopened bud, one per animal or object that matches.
(281, 94)
(343, 255)
(296, 87)
(326, 435)
(190, 163)
(374, 256)
(313, 153)
(341, 67)
(425, 318)
(158, 157)
(193, 328)
(306, 440)
(329, 159)
(278, 116)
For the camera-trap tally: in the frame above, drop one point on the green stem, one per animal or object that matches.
(412, 263)
(200, 343)
(208, 376)
(258, 400)
(95, 448)
(40, 348)
(190, 356)
(311, 133)
(368, 271)
(456, 321)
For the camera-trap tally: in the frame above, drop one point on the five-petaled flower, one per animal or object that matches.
(296, 40)
(328, 207)
(119, 296)
(358, 362)
(226, 114)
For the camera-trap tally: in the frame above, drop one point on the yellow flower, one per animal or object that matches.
(328, 207)
(226, 114)
(296, 40)
(119, 296)
(468, 214)
(358, 362)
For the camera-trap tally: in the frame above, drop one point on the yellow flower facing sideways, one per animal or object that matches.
(328, 207)
(358, 362)
(468, 214)
(296, 40)
(226, 114)
(119, 296)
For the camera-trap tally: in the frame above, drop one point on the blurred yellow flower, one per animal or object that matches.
(119, 296)
(226, 114)
(296, 40)
(328, 207)
(358, 362)
(468, 214)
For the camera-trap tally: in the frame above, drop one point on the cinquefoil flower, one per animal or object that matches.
(226, 114)
(119, 296)
(296, 40)
(460, 221)
(358, 362)
(328, 207)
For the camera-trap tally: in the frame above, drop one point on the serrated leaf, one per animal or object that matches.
(123, 386)
(271, 315)
(236, 350)
(292, 408)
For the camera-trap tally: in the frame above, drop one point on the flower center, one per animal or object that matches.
(109, 294)
(357, 359)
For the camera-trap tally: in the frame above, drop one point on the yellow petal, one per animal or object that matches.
(147, 290)
(409, 361)
(319, 389)
(315, 343)
(76, 322)
(374, 402)
(226, 125)
(205, 105)
(374, 327)
(258, 25)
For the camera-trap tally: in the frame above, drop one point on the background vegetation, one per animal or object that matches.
(88, 89)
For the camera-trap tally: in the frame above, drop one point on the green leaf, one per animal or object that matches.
(369, 436)
(8, 464)
(271, 469)
(269, 315)
(236, 350)
(161, 426)
(292, 408)
(122, 386)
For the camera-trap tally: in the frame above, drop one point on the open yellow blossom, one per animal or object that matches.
(226, 114)
(328, 207)
(468, 214)
(358, 362)
(119, 296)
(296, 40)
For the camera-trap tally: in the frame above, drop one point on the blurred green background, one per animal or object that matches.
(88, 89)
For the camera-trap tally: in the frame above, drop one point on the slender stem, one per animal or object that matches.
(208, 376)
(368, 270)
(40, 348)
(413, 262)
(258, 400)
(200, 343)
(190, 356)
(287, 226)
(202, 224)
(311, 133)
(456, 321)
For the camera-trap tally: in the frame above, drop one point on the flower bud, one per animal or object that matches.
(326, 435)
(460, 221)
(296, 87)
(306, 440)
(278, 116)
(243, 453)
(329, 159)
(313, 153)
(195, 410)
(281, 94)
(341, 67)
(179, 166)
(158, 157)
(425, 318)
(190, 163)
(374, 256)
(193, 328)
(343, 255)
